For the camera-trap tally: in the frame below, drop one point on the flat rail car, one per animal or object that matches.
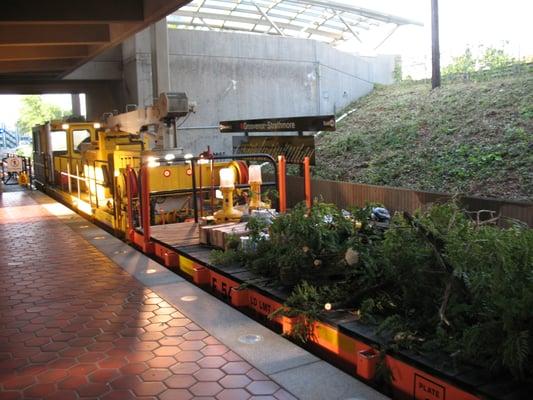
(339, 338)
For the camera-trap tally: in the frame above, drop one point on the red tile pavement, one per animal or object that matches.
(74, 325)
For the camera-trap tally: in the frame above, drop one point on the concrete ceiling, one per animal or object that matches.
(47, 39)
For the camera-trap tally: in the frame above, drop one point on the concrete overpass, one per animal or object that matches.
(50, 39)
(42, 42)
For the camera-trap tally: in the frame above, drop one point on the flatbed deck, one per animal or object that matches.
(177, 235)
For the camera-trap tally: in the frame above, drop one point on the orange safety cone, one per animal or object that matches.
(23, 179)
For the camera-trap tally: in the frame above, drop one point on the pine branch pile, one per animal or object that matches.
(435, 281)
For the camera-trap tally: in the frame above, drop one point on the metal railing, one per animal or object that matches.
(144, 193)
(80, 176)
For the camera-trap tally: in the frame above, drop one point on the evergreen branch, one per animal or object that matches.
(362, 294)
(436, 244)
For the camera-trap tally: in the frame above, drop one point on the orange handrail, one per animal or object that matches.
(145, 195)
(282, 184)
(130, 202)
(307, 182)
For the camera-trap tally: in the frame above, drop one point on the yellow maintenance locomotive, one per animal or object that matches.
(86, 165)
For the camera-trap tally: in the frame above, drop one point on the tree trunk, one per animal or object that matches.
(435, 52)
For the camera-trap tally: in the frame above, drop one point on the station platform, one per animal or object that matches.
(84, 315)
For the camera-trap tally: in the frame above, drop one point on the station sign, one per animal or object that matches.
(295, 124)
(294, 147)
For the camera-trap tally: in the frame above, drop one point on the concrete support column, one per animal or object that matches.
(76, 106)
(160, 65)
(103, 99)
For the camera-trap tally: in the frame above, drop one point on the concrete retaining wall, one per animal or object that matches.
(239, 76)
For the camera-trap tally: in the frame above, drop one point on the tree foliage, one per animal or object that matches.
(35, 111)
(465, 64)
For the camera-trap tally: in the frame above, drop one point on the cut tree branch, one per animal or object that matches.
(437, 245)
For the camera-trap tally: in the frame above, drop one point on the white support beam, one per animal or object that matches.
(264, 14)
(206, 24)
(350, 28)
(386, 37)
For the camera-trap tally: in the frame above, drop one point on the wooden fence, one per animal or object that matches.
(345, 194)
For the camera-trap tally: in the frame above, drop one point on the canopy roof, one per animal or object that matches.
(327, 21)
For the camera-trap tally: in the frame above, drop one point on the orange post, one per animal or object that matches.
(130, 203)
(282, 184)
(366, 363)
(307, 181)
(145, 196)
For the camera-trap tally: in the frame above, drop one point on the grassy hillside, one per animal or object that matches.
(468, 137)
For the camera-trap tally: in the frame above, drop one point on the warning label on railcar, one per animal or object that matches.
(428, 390)
(14, 164)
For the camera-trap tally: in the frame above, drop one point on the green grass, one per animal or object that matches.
(474, 138)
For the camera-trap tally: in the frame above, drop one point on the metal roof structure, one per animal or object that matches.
(328, 21)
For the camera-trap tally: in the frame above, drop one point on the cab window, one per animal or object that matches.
(59, 141)
(79, 137)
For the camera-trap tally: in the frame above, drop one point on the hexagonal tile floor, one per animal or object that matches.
(73, 325)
